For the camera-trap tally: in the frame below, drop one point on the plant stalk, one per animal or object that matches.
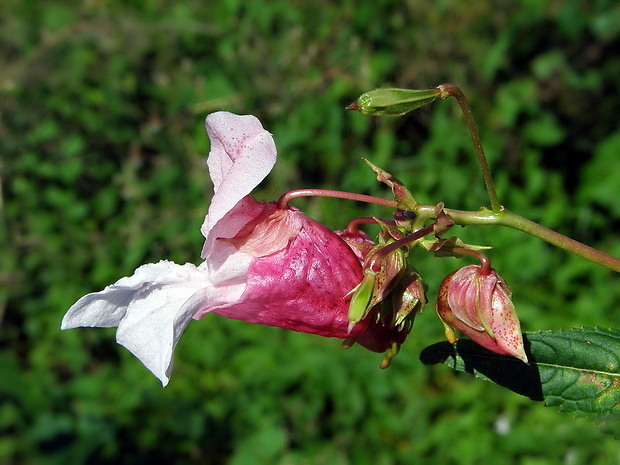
(511, 220)
(484, 216)
(284, 200)
(450, 90)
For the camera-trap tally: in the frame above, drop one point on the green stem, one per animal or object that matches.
(511, 220)
(450, 90)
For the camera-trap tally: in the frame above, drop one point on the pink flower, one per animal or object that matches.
(262, 264)
(480, 306)
(301, 282)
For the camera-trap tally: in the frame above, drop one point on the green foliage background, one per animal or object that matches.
(102, 151)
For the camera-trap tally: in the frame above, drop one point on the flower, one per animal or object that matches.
(262, 264)
(479, 304)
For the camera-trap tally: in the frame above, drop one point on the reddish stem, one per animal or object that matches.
(380, 254)
(448, 90)
(352, 227)
(485, 263)
(286, 198)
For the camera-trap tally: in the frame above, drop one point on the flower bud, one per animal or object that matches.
(393, 102)
(480, 306)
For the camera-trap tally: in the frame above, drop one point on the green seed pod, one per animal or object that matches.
(393, 102)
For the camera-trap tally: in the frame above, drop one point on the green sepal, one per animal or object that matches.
(361, 297)
(444, 247)
(401, 194)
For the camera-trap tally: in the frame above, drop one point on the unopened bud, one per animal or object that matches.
(393, 102)
(479, 305)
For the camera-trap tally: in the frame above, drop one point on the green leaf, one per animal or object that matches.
(577, 370)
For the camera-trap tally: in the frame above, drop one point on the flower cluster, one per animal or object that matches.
(269, 263)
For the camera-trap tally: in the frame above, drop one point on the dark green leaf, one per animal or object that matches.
(577, 370)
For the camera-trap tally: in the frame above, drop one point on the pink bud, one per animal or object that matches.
(480, 306)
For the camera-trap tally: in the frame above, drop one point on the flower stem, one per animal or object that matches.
(511, 220)
(450, 90)
(380, 254)
(284, 200)
(352, 227)
(485, 263)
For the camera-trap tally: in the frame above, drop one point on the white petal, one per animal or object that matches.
(156, 319)
(151, 309)
(223, 261)
(93, 310)
(242, 155)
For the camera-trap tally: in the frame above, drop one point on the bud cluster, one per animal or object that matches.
(390, 292)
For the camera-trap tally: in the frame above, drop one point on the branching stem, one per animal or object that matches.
(450, 90)
(511, 220)
(384, 251)
(484, 216)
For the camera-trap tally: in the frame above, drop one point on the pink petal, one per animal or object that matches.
(380, 337)
(464, 296)
(303, 287)
(360, 243)
(242, 155)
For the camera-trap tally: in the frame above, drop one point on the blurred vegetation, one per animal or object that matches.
(102, 152)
